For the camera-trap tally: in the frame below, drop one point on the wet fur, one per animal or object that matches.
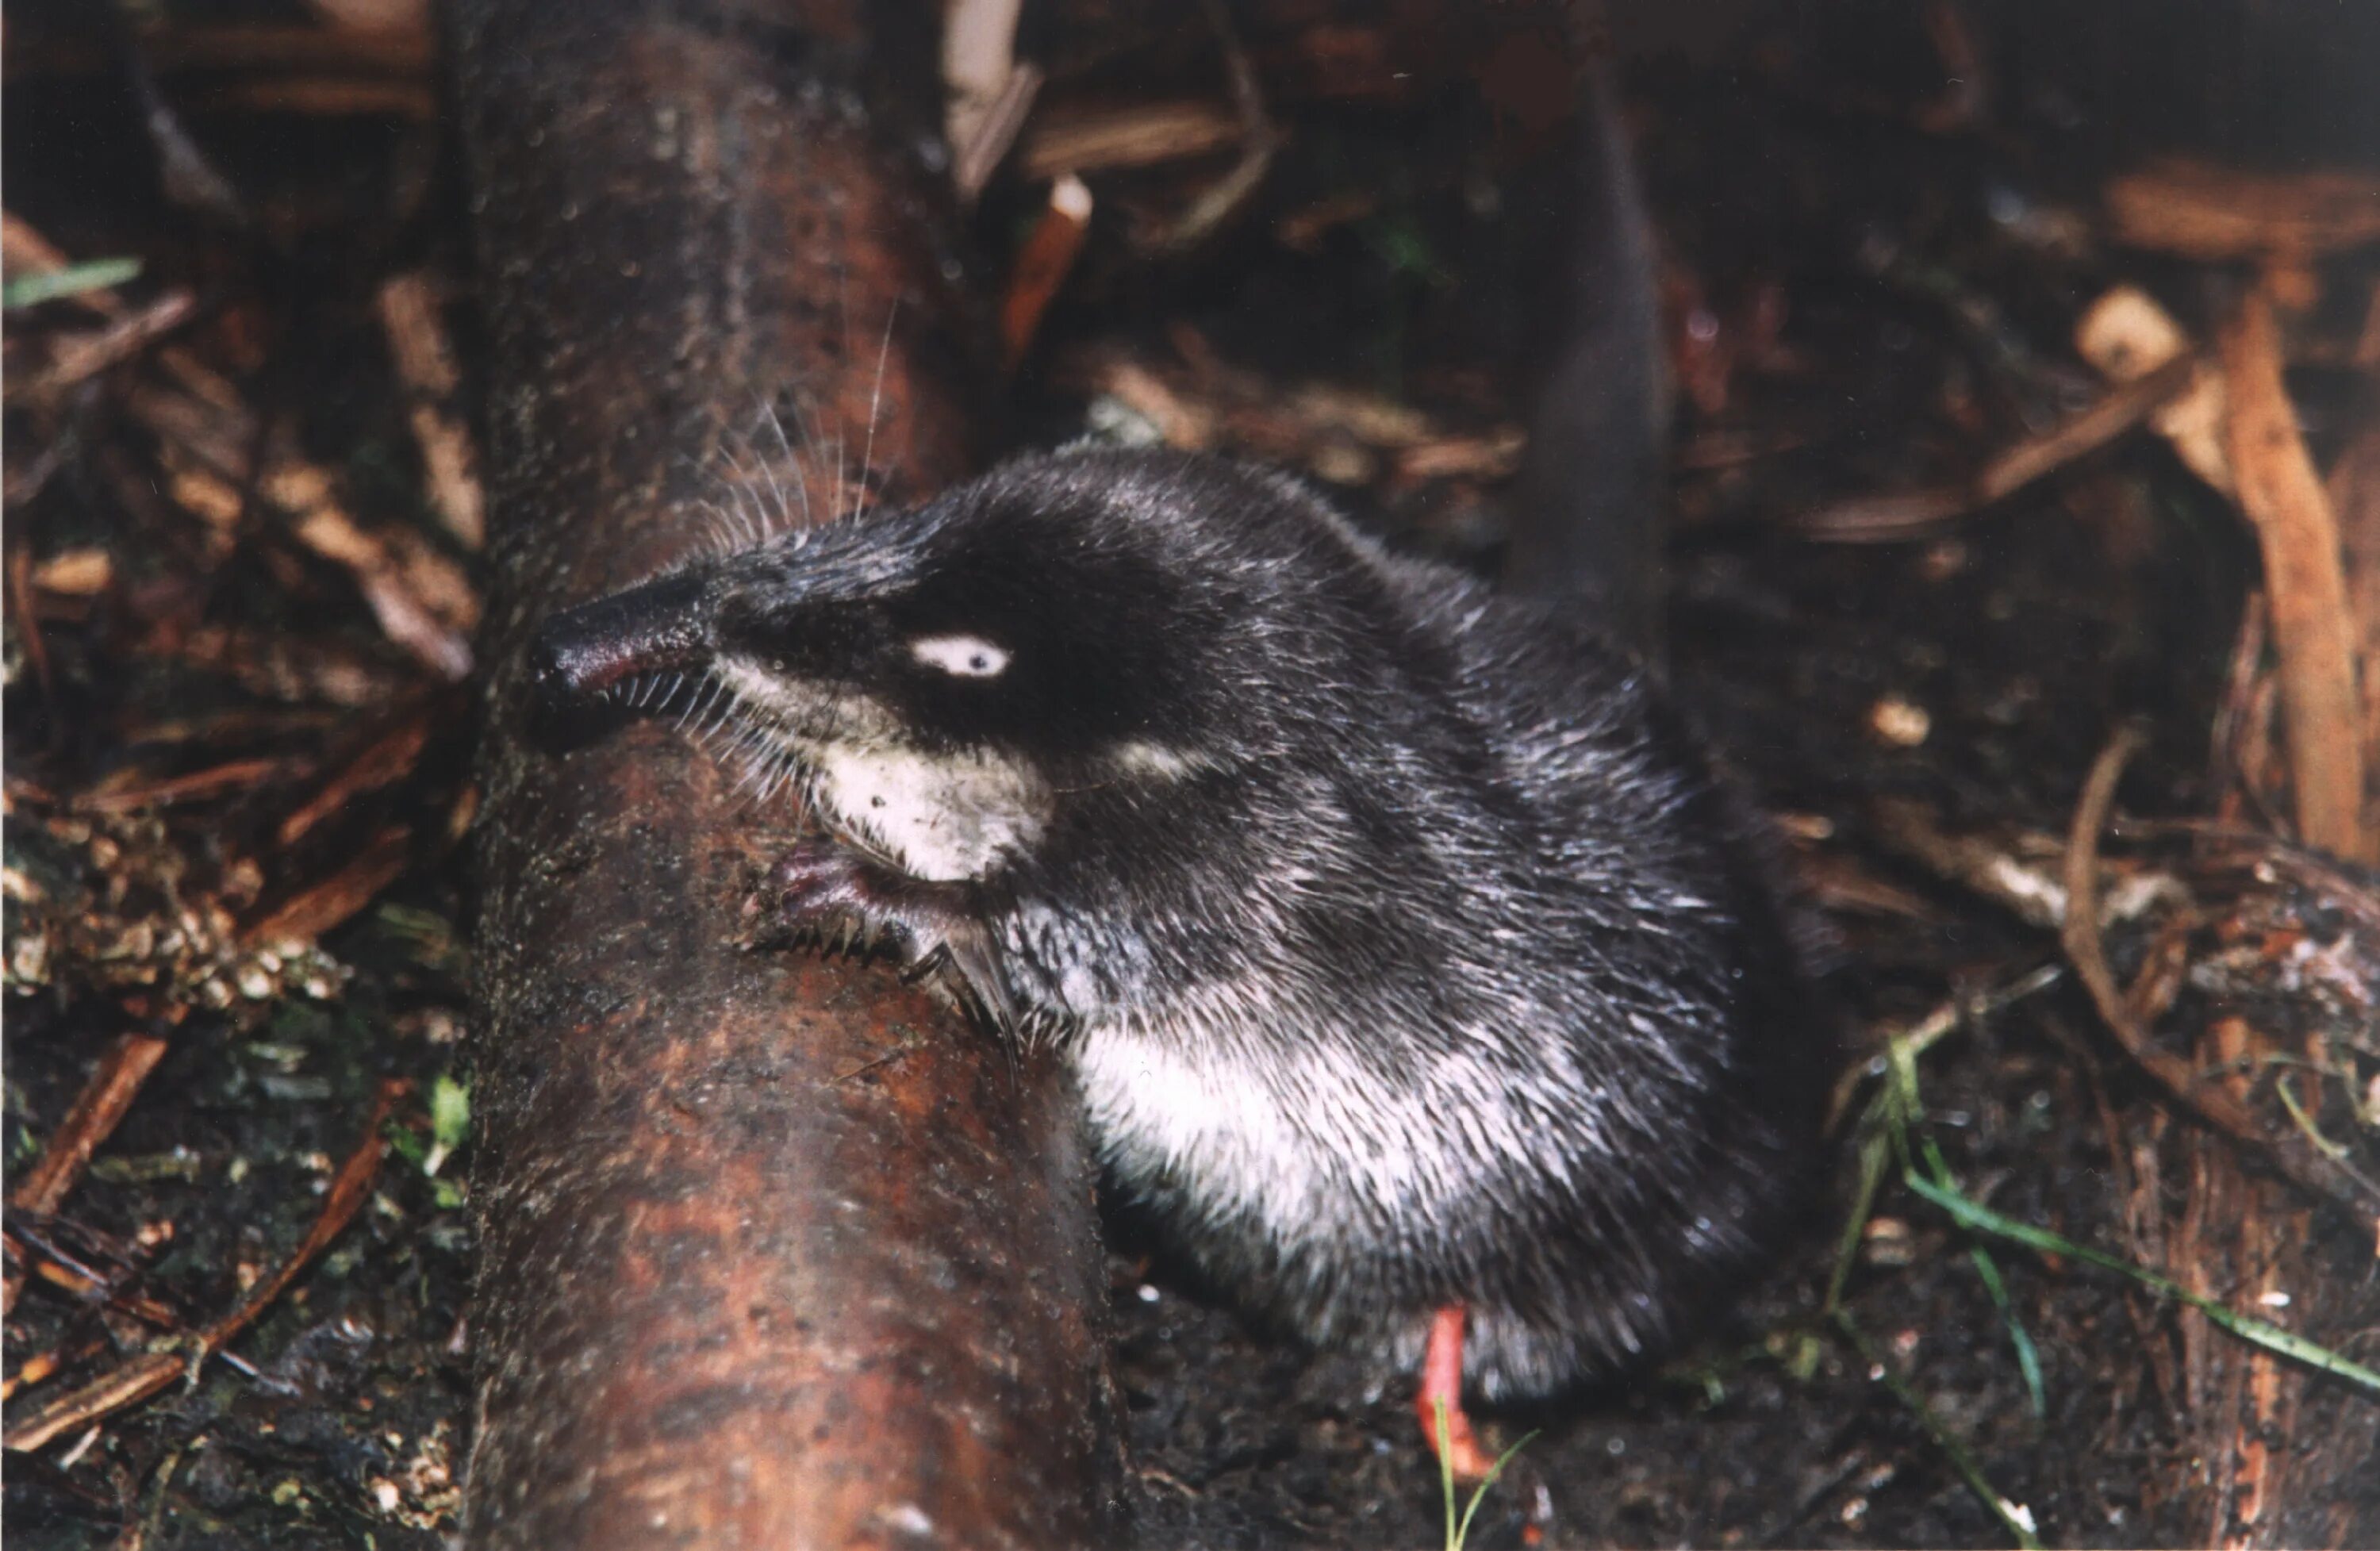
(1407, 949)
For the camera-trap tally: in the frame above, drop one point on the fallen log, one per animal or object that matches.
(773, 1250)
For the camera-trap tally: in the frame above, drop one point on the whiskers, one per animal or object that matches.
(756, 486)
(732, 732)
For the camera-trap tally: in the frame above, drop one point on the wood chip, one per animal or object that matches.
(988, 93)
(2214, 214)
(1041, 267)
(2127, 335)
(83, 573)
(1096, 140)
(389, 758)
(306, 915)
(2305, 586)
(426, 365)
(137, 790)
(126, 1065)
(141, 1376)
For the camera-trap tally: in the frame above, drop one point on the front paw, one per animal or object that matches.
(840, 898)
(827, 894)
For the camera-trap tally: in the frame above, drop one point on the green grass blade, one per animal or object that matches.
(1446, 1470)
(2028, 1359)
(1876, 1152)
(2014, 1518)
(1495, 1473)
(2272, 1337)
(31, 290)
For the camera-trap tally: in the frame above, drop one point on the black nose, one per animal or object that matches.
(549, 675)
(580, 652)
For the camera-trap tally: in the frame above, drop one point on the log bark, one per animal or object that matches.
(773, 1250)
(2266, 1453)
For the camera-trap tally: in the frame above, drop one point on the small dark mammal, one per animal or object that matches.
(1418, 971)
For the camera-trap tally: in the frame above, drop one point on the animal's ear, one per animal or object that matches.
(960, 656)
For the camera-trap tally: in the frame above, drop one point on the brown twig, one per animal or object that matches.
(128, 1383)
(29, 624)
(2215, 1104)
(1086, 140)
(425, 364)
(2238, 731)
(126, 1065)
(2305, 584)
(1957, 1013)
(83, 1283)
(1900, 514)
(421, 599)
(2127, 335)
(2355, 489)
(1041, 267)
(144, 792)
(1259, 140)
(38, 1368)
(314, 910)
(141, 1376)
(2215, 214)
(2028, 889)
(76, 357)
(349, 1188)
(389, 758)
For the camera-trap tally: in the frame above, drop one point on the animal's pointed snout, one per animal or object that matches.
(583, 651)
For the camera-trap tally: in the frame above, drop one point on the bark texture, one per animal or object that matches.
(774, 1250)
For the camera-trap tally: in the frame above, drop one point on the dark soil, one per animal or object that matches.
(1926, 284)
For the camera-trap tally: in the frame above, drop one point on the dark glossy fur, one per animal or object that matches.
(1406, 946)
(1407, 949)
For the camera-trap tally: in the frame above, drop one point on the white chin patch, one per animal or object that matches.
(940, 816)
(966, 657)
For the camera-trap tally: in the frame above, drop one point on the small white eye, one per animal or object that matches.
(967, 657)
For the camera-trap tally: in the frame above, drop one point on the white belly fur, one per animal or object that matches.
(1303, 1139)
